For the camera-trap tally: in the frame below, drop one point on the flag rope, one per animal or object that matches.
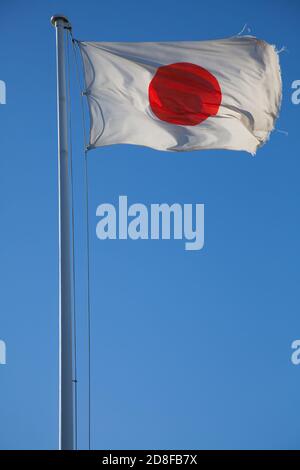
(88, 292)
(86, 183)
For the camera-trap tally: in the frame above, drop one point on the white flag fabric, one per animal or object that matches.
(177, 96)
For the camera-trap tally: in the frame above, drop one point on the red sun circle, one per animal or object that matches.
(184, 94)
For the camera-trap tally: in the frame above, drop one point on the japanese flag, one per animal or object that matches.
(177, 96)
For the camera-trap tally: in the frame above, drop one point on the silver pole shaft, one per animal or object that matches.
(66, 396)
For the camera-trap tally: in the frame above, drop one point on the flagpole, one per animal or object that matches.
(66, 392)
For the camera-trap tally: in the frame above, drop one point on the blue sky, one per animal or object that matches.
(189, 349)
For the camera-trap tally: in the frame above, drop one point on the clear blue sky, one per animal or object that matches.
(189, 349)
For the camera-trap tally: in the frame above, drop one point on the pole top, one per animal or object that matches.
(58, 17)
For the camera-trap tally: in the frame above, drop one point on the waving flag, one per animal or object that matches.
(181, 96)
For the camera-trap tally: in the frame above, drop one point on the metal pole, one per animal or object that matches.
(66, 396)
